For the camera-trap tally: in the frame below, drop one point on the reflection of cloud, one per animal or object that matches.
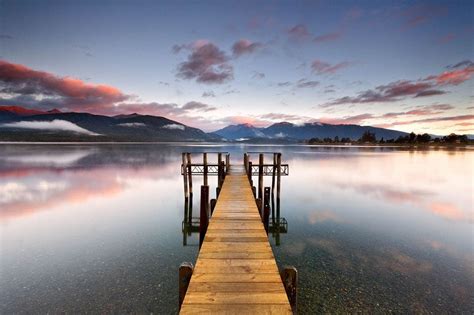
(56, 124)
(418, 197)
(52, 159)
(402, 263)
(295, 249)
(388, 259)
(321, 216)
(36, 191)
(448, 211)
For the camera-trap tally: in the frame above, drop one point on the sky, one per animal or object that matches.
(404, 65)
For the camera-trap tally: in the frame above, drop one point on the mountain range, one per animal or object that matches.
(295, 132)
(22, 124)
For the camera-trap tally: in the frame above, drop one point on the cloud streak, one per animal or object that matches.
(399, 90)
(321, 67)
(56, 124)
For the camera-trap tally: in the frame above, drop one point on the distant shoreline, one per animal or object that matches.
(197, 143)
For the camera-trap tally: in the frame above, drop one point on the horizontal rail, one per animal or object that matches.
(198, 169)
(268, 169)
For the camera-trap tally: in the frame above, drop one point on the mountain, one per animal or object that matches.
(289, 131)
(243, 131)
(15, 125)
(21, 111)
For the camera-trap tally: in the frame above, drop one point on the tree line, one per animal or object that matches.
(412, 138)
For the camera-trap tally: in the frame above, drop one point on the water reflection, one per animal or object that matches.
(99, 228)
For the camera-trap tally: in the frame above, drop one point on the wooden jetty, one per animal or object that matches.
(235, 272)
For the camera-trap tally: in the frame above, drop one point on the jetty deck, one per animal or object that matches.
(236, 272)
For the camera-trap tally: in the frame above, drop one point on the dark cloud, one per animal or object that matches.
(231, 92)
(321, 67)
(206, 63)
(419, 14)
(402, 89)
(245, 46)
(299, 31)
(420, 111)
(327, 37)
(5, 36)
(281, 84)
(304, 83)
(197, 106)
(430, 120)
(258, 75)
(208, 94)
(461, 64)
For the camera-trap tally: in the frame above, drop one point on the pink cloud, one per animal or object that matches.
(21, 82)
(454, 77)
(206, 63)
(245, 46)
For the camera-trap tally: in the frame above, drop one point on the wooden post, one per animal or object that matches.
(185, 272)
(185, 179)
(254, 191)
(213, 205)
(204, 161)
(289, 277)
(246, 163)
(260, 176)
(277, 239)
(227, 163)
(190, 176)
(273, 187)
(274, 172)
(250, 171)
(259, 203)
(278, 176)
(204, 215)
(266, 208)
(223, 173)
(219, 169)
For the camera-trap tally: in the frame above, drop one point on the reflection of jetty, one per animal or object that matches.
(235, 271)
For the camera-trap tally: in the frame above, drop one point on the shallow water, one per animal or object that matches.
(98, 228)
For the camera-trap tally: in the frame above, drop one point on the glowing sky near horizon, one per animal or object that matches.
(405, 66)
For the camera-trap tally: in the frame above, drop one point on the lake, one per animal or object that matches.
(99, 228)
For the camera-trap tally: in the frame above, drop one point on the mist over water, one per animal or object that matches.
(98, 228)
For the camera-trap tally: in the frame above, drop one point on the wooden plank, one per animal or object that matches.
(236, 255)
(236, 298)
(227, 277)
(259, 287)
(238, 309)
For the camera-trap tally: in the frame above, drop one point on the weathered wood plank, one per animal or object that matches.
(236, 298)
(238, 309)
(258, 287)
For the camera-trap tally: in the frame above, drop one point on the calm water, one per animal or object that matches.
(98, 228)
